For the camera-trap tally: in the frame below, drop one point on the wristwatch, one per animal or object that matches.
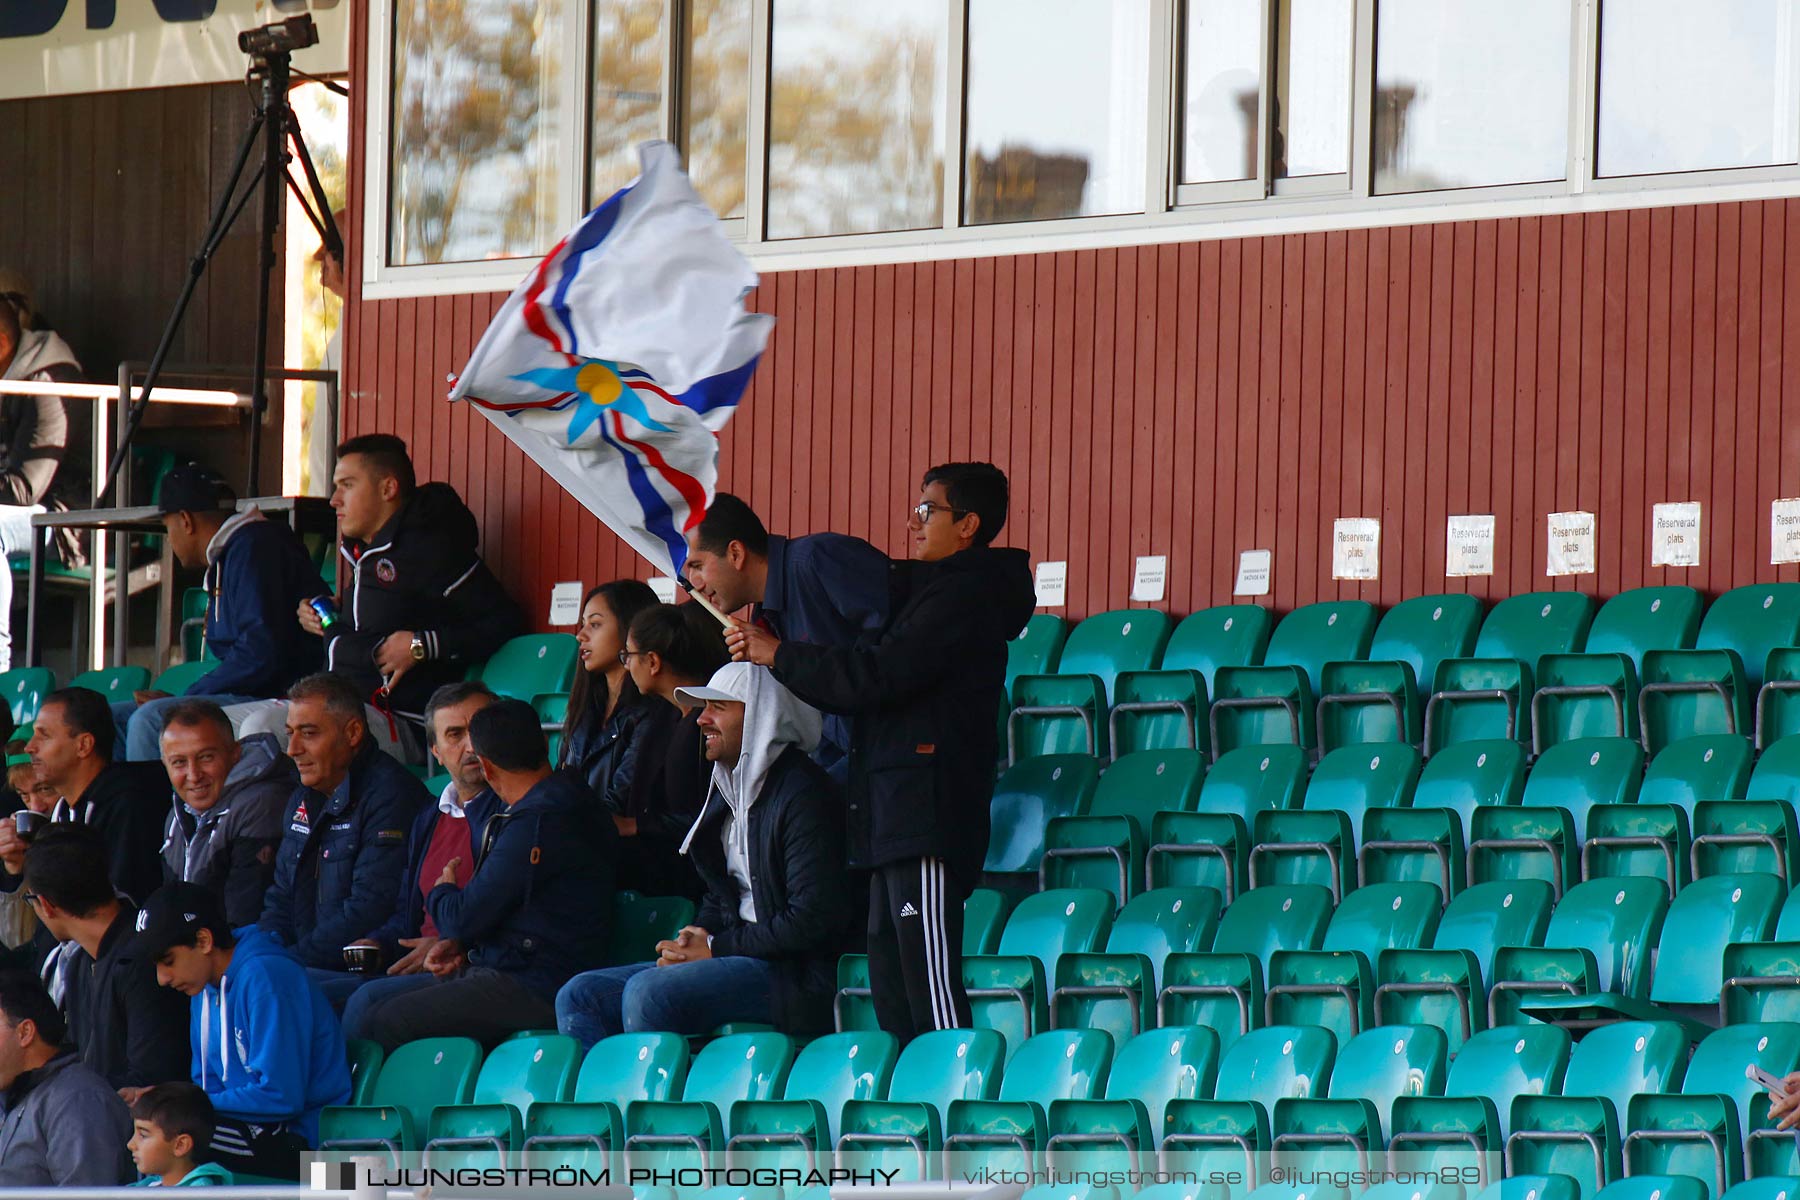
(418, 648)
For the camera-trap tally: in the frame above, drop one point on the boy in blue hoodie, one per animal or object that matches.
(267, 1049)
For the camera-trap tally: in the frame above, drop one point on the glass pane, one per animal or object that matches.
(1057, 97)
(718, 102)
(476, 159)
(856, 142)
(1470, 93)
(1312, 87)
(1220, 76)
(1693, 87)
(629, 65)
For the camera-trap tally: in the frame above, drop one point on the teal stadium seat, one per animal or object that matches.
(24, 689)
(1487, 694)
(1123, 1129)
(530, 665)
(585, 1131)
(1260, 1069)
(517, 1073)
(1273, 703)
(1334, 986)
(827, 1074)
(1426, 840)
(1473, 1118)
(1378, 700)
(1009, 991)
(1105, 848)
(1167, 708)
(1762, 978)
(1222, 988)
(1373, 1069)
(1032, 793)
(1210, 847)
(1066, 712)
(1778, 702)
(115, 683)
(1594, 693)
(1597, 941)
(640, 922)
(905, 1132)
(1009, 1132)
(1712, 687)
(984, 918)
(1318, 842)
(1115, 989)
(1755, 833)
(1034, 652)
(1653, 836)
(682, 1133)
(1541, 838)
(413, 1080)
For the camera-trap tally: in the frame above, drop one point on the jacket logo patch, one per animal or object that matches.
(537, 855)
(300, 813)
(390, 835)
(384, 570)
(925, 748)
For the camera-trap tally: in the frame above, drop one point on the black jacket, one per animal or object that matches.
(607, 755)
(797, 880)
(127, 803)
(126, 1028)
(667, 789)
(420, 572)
(409, 906)
(925, 694)
(337, 872)
(538, 904)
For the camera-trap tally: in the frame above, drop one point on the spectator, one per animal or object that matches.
(171, 1124)
(126, 1029)
(22, 778)
(256, 572)
(441, 835)
(34, 432)
(769, 846)
(321, 422)
(18, 924)
(609, 722)
(267, 1049)
(825, 588)
(71, 749)
(670, 647)
(337, 872)
(230, 798)
(924, 696)
(532, 915)
(64, 1126)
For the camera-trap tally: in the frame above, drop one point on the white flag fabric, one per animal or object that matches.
(618, 360)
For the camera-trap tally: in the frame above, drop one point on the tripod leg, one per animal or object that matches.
(274, 180)
(329, 233)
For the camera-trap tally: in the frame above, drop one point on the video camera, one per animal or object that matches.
(280, 37)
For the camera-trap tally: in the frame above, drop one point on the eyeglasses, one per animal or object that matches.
(921, 512)
(625, 656)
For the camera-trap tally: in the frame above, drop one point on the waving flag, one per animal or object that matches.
(618, 360)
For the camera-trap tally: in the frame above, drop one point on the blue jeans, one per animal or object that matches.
(140, 726)
(374, 993)
(337, 986)
(689, 998)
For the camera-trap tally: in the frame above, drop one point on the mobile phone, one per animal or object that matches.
(1764, 1080)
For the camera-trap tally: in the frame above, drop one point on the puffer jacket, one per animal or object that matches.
(230, 848)
(64, 1127)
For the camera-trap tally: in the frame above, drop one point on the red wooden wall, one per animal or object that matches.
(1201, 399)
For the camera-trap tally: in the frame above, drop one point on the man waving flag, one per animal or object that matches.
(618, 360)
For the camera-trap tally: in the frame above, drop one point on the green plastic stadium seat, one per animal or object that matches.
(1578, 1132)
(984, 918)
(742, 1066)
(531, 665)
(1065, 712)
(1222, 989)
(1491, 1070)
(1762, 978)
(1072, 1191)
(1009, 990)
(1708, 915)
(1596, 942)
(1532, 1187)
(1209, 847)
(1378, 700)
(177, 679)
(1009, 1132)
(1124, 1129)
(1651, 837)
(1710, 689)
(1415, 1191)
(904, 1132)
(413, 1080)
(1540, 839)
(1037, 648)
(517, 1073)
(1373, 1069)
(1594, 694)
(115, 683)
(1446, 986)
(1318, 842)
(1486, 695)
(1778, 703)
(639, 922)
(365, 1065)
(584, 1131)
(1768, 1187)
(1028, 796)
(1256, 1071)
(1334, 986)
(24, 689)
(1654, 1187)
(1115, 990)
(1274, 703)
(1705, 1130)
(829, 1072)
(1105, 848)
(1755, 833)
(1167, 708)
(1426, 841)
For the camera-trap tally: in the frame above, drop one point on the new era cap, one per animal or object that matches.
(191, 487)
(173, 915)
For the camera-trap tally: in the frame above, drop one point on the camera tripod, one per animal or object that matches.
(274, 125)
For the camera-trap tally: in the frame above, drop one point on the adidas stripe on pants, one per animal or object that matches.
(915, 947)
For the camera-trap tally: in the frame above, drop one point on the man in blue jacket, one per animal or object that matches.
(337, 872)
(256, 572)
(267, 1049)
(532, 915)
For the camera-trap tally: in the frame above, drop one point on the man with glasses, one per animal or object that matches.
(924, 697)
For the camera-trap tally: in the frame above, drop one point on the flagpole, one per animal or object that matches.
(708, 605)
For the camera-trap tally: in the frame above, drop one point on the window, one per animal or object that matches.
(1312, 87)
(1057, 101)
(1221, 90)
(476, 157)
(1470, 94)
(1695, 87)
(716, 101)
(856, 102)
(630, 57)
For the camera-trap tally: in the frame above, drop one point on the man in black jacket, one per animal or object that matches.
(769, 847)
(923, 752)
(127, 1029)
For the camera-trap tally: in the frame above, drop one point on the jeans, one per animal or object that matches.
(487, 1005)
(689, 998)
(337, 986)
(375, 993)
(140, 726)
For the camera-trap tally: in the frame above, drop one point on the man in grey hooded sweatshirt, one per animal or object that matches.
(64, 1126)
(768, 845)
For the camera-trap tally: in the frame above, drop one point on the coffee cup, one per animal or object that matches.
(26, 823)
(362, 959)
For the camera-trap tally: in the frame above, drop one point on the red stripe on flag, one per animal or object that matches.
(687, 485)
(533, 313)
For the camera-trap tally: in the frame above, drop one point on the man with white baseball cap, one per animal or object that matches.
(769, 846)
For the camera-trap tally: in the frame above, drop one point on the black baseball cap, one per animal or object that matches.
(191, 487)
(172, 916)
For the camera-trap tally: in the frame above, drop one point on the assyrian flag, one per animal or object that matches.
(618, 360)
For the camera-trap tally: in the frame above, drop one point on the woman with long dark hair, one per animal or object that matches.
(607, 716)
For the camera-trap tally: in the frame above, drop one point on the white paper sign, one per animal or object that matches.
(1675, 535)
(1150, 579)
(1253, 573)
(1052, 584)
(565, 603)
(1784, 531)
(1469, 545)
(1356, 548)
(664, 587)
(1571, 543)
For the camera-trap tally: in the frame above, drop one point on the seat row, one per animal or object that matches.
(1542, 667)
(1628, 1099)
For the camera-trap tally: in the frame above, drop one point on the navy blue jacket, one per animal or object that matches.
(253, 587)
(538, 904)
(409, 910)
(337, 874)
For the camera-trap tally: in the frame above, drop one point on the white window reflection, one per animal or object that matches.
(717, 100)
(476, 158)
(1695, 87)
(1057, 119)
(856, 97)
(1470, 93)
(1312, 87)
(630, 60)
(1221, 79)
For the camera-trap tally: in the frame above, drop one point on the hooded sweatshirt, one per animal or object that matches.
(267, 1048)
(204, 1175)
(257, 573)
(63, 1126)
(34, 430)
(230, 848)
